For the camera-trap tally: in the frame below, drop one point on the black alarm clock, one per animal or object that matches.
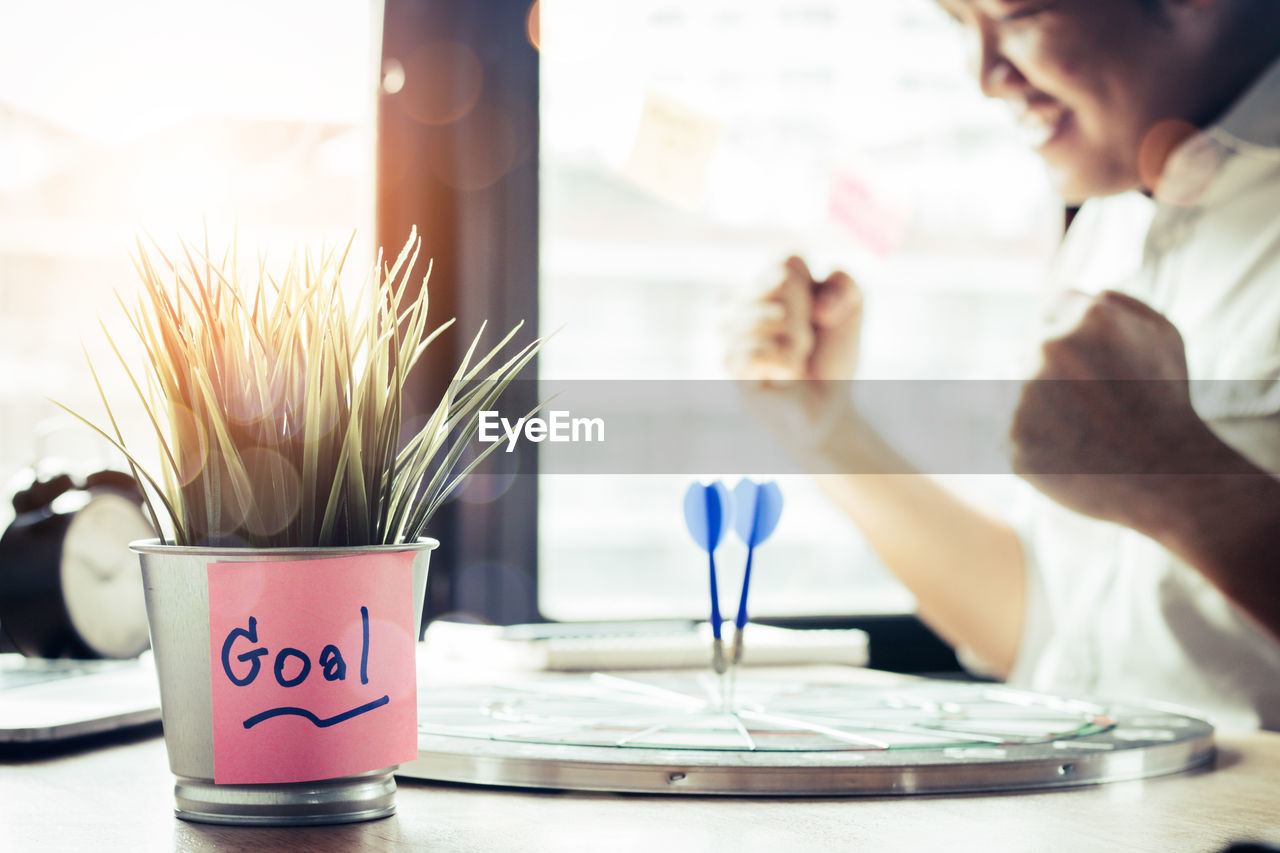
(69, 586)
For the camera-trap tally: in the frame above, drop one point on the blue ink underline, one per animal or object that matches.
(316, 721)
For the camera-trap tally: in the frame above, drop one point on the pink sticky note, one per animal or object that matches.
(877, 221)
(312, 664)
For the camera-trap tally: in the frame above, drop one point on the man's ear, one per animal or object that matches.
(1201, 16)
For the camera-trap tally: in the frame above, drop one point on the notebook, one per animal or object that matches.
(570, 647)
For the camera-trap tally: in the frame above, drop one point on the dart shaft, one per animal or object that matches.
(740, 622)
(715, 600)
(735, 651)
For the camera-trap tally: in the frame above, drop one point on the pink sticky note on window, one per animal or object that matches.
(312, 664)
(872, 217)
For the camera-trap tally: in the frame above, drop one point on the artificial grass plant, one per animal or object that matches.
(278, 409)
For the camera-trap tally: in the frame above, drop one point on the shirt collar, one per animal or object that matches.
(1200, 171)
(1254, 120)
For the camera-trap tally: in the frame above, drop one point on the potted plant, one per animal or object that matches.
(285, 591)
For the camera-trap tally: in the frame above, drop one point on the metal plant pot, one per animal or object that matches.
(176, 583)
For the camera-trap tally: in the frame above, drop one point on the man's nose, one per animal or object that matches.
(997, 76)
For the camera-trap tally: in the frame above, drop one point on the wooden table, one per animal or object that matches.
(118, 796)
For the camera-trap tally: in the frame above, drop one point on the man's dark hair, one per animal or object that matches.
(1155, 7)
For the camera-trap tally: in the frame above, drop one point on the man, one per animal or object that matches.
(1165, 112)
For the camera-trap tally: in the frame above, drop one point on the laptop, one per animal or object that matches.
(45, 701)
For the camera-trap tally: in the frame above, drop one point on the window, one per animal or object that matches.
(644, 166)
(253, 118)
(686, 149)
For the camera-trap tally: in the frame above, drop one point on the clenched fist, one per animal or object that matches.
(799, 343)
(800, 329)
(1109, 408)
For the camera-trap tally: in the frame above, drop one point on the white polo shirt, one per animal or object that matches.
(1110, 612)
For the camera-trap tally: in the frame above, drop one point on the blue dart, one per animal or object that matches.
(706, 511)
(758, 509)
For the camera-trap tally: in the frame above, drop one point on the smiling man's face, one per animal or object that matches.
(1088, 80)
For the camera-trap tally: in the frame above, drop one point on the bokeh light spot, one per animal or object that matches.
(257, 396)
(277, 491)
(533, 25)
(488, 154)
(392, 76)
(442, 82)
(188, 443)
(1159, 151)
(486, 488)
(230, 513)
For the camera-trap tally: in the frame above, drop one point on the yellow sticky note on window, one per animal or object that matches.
(672, 152)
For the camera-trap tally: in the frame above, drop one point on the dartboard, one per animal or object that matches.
(767, 734)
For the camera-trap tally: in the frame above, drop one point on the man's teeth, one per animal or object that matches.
(1036, 128)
